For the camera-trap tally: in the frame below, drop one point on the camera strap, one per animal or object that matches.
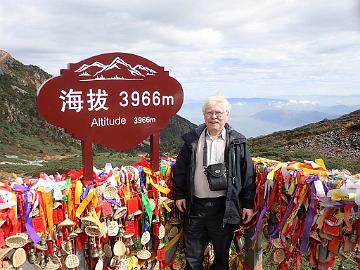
(205, 150)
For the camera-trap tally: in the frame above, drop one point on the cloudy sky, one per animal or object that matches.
(241, 48)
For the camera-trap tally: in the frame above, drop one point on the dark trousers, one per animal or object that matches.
(204, 223)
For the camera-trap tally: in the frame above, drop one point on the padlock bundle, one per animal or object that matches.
(124, 218)
(304, 209)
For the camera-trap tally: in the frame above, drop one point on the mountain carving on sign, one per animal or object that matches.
(118, 69)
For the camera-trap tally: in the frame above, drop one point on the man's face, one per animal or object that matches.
(215, 118)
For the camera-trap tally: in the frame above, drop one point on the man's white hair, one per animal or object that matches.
(217, 98)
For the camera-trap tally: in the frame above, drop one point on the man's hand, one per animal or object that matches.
(247, 215)
(181, 205)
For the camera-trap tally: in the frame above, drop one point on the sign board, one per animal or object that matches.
(113, 99)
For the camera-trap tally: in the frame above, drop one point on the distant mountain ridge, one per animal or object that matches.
(293, 117)
(260, 116)
(255, 100)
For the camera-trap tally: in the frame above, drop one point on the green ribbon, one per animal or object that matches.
(66, 184)
(163, 168)
(146, 204)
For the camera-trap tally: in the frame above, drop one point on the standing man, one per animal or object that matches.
(213, 214)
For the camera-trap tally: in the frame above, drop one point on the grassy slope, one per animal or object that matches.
(272, 146)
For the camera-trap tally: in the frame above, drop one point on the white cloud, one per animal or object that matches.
(243, 48)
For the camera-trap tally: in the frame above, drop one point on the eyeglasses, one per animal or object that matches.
(218, 114)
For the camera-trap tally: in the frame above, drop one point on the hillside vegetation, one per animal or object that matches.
(336, 141)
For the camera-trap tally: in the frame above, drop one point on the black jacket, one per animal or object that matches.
(241, 183)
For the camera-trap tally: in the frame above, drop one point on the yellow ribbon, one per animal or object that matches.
(173, 241)
(78, 191)
(168, 170)
(42, 215)
(96, 217)
(168, 209)
(318, 167)
(117, 177)
(49, 203)
(84, 203)
(264, 160)
(237, 262)
(132, 262)
(298, 166)
(291, 188)
(321, 163)
(95, 199)
(341, 195)
(157, 266)
(149, 180)
(271, 174)
(125, 189)
(293, 214)
(322, 173)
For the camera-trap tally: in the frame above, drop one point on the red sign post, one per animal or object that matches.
(113, 99)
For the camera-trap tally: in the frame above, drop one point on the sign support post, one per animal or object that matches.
(155, 151)
(87, 157)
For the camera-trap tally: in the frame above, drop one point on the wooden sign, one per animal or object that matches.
(113, 99)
